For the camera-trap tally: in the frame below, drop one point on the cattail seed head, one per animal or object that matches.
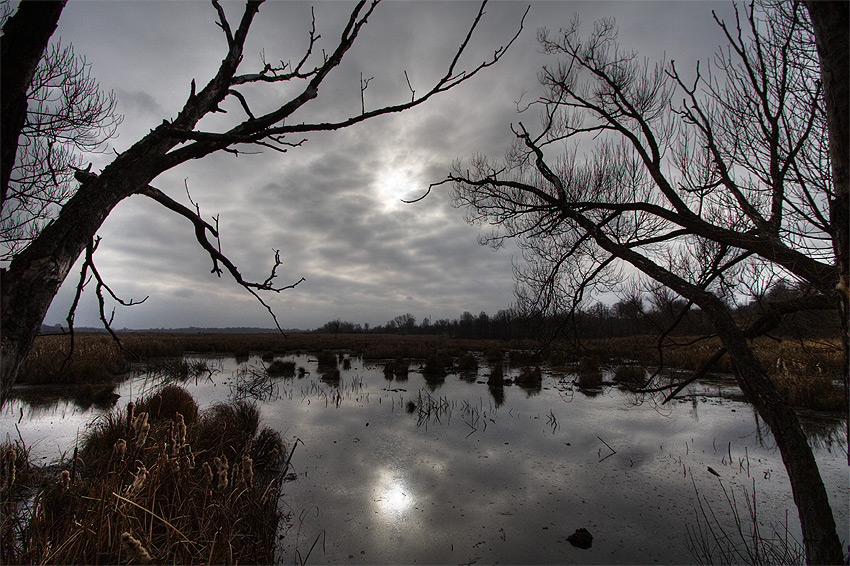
(222, 468)
(142, 434)
(9, 464)
(65, 479)
(188, 459)
(141, 475)
(181, 430)
(140, 421)
(208, 473)
(137, 552)
(120, 449)
(248, 471)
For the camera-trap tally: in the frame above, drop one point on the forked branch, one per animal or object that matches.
(202, 229)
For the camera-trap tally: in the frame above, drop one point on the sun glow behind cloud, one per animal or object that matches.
(395, 184)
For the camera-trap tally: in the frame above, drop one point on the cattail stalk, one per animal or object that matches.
(208, 473)
(181, 431)
(9, 476)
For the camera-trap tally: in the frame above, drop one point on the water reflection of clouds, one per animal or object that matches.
(390, 491)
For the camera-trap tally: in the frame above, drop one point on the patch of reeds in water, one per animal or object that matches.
(96, 359)
(804, 370)
(529, 376)
(633, 375)
(467, 363)
(497, 375)
(160, 482)
(281, 368)
(747, 541)
(589, 374)
(803, 387)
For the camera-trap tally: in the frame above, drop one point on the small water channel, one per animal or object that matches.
(451, 471)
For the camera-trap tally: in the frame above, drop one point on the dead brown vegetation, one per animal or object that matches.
(160, 482)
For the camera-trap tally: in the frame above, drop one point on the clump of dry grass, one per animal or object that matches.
(467, 362)
(434, 366)
(494, 355)
(281, 368)
(589, 374)
(330, 375)
(326, 360)
(529, 376)
(149, 495)
(630, 374)
(497, 375)
(389, 370)
(401, 368)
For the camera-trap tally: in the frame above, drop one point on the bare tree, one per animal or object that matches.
(25, 37)
(701, 183)
(68, 115)
(35, 274)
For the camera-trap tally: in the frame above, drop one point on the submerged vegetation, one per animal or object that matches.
(158, 481)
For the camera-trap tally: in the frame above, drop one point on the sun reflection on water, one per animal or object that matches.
(394, 495)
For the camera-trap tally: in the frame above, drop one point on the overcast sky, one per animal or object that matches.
(333, 206)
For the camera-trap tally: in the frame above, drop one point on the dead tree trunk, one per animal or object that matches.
(35, 275)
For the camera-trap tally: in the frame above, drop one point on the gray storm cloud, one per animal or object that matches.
(331, 206)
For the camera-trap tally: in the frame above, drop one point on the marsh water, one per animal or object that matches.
(452, 471)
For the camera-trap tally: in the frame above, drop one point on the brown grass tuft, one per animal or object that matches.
(156, 505)
(589, 374)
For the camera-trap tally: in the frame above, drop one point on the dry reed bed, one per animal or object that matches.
(159, 482)
(804, 371)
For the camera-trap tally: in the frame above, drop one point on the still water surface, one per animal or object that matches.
(454, 472)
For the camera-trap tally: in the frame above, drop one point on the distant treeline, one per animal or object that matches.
(59, 329)
(634, 316)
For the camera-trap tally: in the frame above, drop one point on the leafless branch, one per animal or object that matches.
(202, 228)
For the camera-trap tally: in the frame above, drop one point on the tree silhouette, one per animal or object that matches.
(35, 274)
(704, 184)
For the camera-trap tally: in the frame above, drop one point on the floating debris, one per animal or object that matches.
(581, 539)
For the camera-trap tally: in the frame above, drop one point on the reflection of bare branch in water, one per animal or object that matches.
(825, 432)
(181, 369)
(730, 537)
(254, 382)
